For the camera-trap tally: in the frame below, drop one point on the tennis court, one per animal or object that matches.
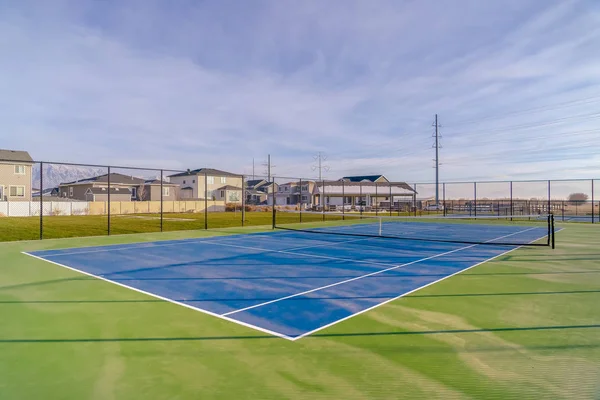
(297, 280)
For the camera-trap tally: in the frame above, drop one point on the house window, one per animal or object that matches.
(348, 200)
(327, 199)
(193, 181)
(304, 198)
(287, 189)
(304, 188)
(210, 180)
(166, 191)
(71, 191)
(19, 169)
(222, 194)
(134, 193)
(223, 179)
(184, 181)
(17, 191)
(280, 189)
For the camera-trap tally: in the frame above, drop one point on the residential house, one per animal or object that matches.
(125, 187)
(297, 192)
(15, 175)
(259, 190)
(362, 195)
(209, 183)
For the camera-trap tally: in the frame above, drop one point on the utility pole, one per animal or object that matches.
(437, 161)
(268, 166)
(320, 158)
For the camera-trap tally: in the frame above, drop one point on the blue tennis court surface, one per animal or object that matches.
(290, 283)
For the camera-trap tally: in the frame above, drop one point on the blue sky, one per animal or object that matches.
(187, 84)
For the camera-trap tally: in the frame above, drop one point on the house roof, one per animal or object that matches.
(254, 182)
(368, 187)
(114, 178)
(157, 182)
(98, 190)
(256, 192)
(207, 171)
(15, 155)
(229, 187)
(362, 178)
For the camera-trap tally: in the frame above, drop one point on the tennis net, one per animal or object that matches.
(515, 230)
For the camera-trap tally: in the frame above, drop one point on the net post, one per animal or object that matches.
(41, 200)
(553, 231)
(205, 200)
(549, 228)
(108, 177)
(243, 200)
(161, 199)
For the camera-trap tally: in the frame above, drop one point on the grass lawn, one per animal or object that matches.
(524, 325)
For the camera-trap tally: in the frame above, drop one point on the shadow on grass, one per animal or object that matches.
(318, 335)
(298, 299)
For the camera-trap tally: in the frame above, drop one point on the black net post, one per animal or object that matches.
(415, 199)
(161, 199)
(243, 200)
(552, 227)
(108, 198)
(41, 200)
(205, 201)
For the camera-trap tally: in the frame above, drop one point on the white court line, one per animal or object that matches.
(258, 328)
(368, 275)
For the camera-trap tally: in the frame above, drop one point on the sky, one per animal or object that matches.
(190, 84)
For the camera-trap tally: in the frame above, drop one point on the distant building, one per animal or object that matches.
(218, 185)
(15, 175)
(125, 187)
(365, 178)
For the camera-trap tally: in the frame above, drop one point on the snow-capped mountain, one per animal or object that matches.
(55, 174)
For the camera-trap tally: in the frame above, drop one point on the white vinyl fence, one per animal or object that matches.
(32, 208)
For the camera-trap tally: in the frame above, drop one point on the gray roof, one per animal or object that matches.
(157, 182)
(15, 155)
(207, 171)
(229, 187)
(97, 190)
(114, 178)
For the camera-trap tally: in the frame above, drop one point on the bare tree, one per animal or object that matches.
(141, 192)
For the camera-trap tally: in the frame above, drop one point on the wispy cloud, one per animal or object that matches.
(190, 84)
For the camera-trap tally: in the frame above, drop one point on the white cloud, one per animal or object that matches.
(216, 85)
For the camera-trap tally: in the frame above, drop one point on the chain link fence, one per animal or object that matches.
(44, 200)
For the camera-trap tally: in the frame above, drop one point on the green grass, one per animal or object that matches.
(525, 325)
